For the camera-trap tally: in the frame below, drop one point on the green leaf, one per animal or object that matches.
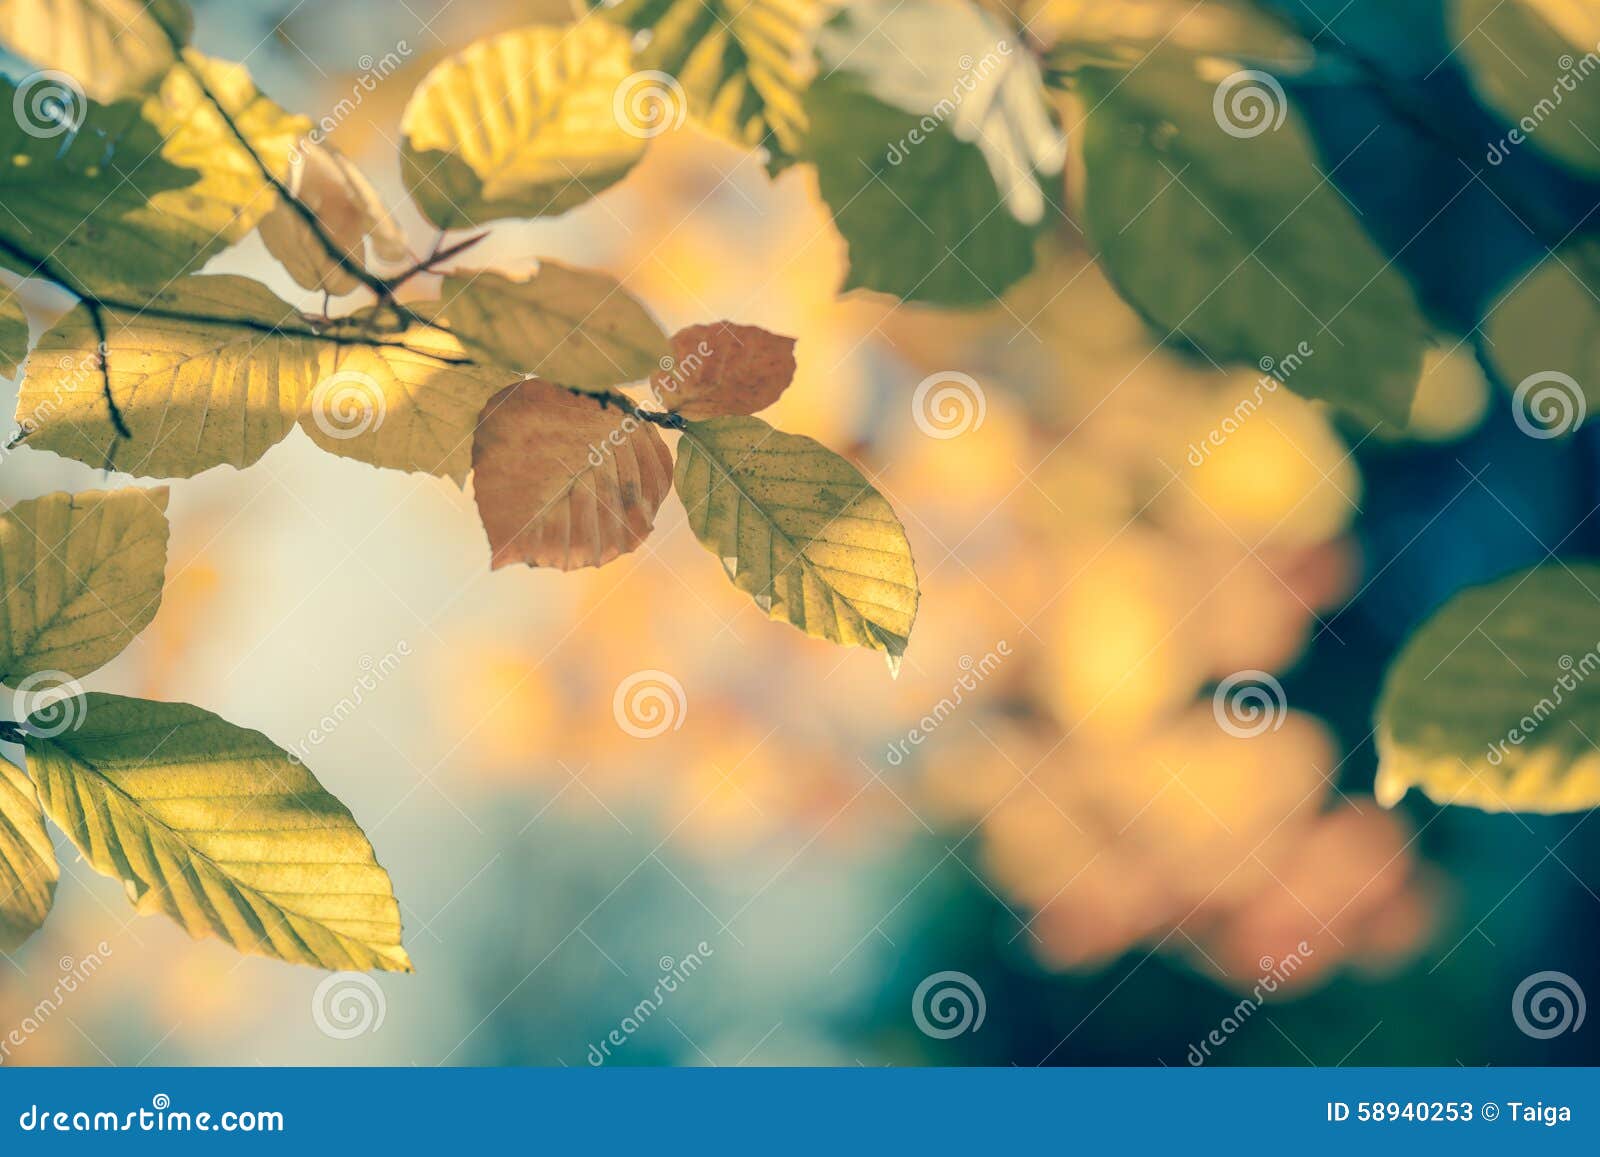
(1546, 328)
(410, 402)
(523, 124)
(219, 828)
(1525, 58)
(1495, 701)
(13, 332)
(562, 482)
(934, 146)
(214, 370)
(743, 65)
(83, 575)
(1225, 235)
(801, 531)
(28, 868)
(110, 48)
(142, 192)
(572, 326)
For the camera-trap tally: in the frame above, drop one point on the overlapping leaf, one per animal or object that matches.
(561, 482)
(1225, 234)
(410, 402)
(110, 48)
(1495, 702)
(573, 326)
(82, 575)
(801, 531)
(1545, 330)
(523, 124)
(349, 212)
(723, 368)
(220, 829)
(212, 371)
(743, 65)
(28, 868)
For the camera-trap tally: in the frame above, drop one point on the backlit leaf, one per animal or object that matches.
(351, 214)
(28, 869)
(1227, 236)
(220, 829)
(410, 403)
(1523, 57)
(801, 531)
(83, 575)
(522, 124)
(743, 65)
(724, 368)
(573, 326)
(1548, 324)
(110, 48)
(1495, 702)
(214, 370)
(13, 332)
(561, 482)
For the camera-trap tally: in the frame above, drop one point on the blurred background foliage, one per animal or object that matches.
(1079, 837)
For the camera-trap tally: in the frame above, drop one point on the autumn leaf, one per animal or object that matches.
(110, 48)
(325, 183)
(562, 482)
(800, 531)
(28, 869)
(219, 828)
(83, 575)
(724, 368)
(13, 332)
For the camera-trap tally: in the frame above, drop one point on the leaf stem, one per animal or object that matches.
(11, 732)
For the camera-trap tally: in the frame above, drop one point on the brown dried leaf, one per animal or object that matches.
(723, 369)
(561, 481)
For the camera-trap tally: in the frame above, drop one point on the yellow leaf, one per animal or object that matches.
(109, 47)
(573, 326)
(801, 531)
(347, 207)
(724, 369)
(562, 482)
(410, 403)
(28, 869)
(214, 370)
(1495, 701)
(83, 575)
(522, 124)
(220, 829)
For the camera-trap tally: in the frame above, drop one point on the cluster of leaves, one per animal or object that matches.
(119, 193)
(937, 132)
